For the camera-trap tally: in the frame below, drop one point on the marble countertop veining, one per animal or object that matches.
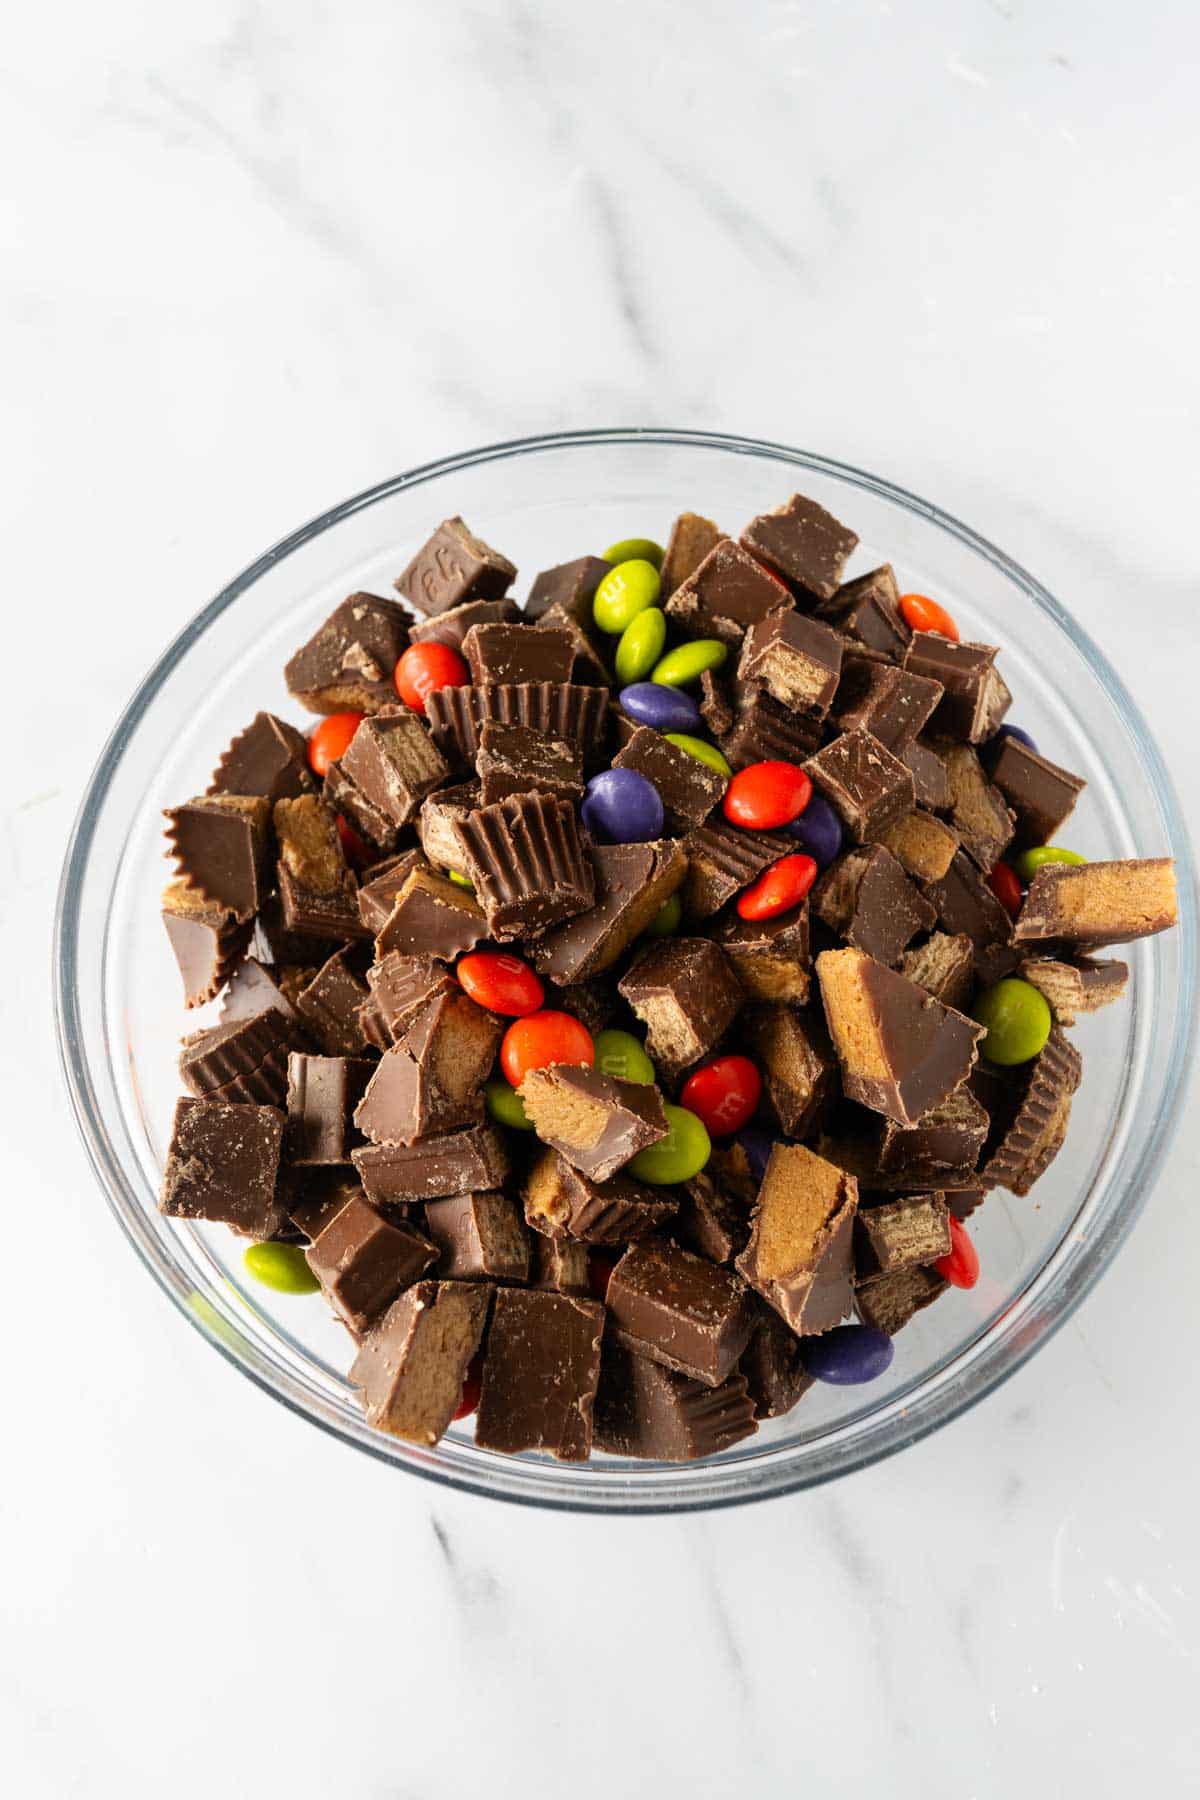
(261, 256)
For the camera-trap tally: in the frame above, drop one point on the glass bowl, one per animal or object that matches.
(542, 501)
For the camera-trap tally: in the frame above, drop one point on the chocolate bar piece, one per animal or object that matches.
(644, 1410)
(928, 771)
(773, 1366)
(867, 609)
(892, 704)
(316, 886)
(219, 843)
(479, 1236)
(891, 1301)
(313, 1195)
(944, 966)
(456, 1162)
(690, 540)
(724, 594)
(528, 864)
(560, 1264)
(975, 699)
(452, 627)
(977, 809)
(765, 731)
(432, 917)
(587, 665)
(563, 710)
(799, 1069)
(866, 785)
(1099, 903)
(901, 1050)
(596, 1122)
(1041, 795)
(571, 586)
(967, 907)
(710, 1221)
(395, 762)
(513, 759)
(240, 1060)
(867, 899)
(343, 796)
(723, 860)
(679, 1310)
(902, 1234)
(503, 654)
(270, 757)
(440, 813)
(322, 1093)
(403, 986)
(454, 566)
(432, 1079)
(349, 664)
(770, 957)
(540, 1374)
(412, 1366)
(713, 700)
(381, 885)
(223, 1164)
(1035, 1136)
(803, 543)
(593, 1002)
(799, 1257)
(945, 1144)
(1077, 987)
(208, 940)
(686, 994)
(797, 659)
(688, 788)
(329, 1006)
(560, 1199)
(922, 844)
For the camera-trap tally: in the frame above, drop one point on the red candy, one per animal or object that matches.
(502, 983)
(331, 739)
(601, 1264)
(767, 795)
(471, 1389)
(778, 888)
(961, 1267)
(543, 1038)
(723, 1094)
(357, 853)
(923, 614)
(1006, 887)
(424, 667)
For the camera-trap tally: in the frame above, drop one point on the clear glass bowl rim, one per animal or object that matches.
(1053, 1294)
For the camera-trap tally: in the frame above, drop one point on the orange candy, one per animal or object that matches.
(424, 667)
(331, 739)
(502, 983)
(543, 1038)
(920, 613)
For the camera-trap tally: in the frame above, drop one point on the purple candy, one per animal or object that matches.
(848, 1355)
(662, 708)
(758, 1146)
(819, 830)
(622, 807)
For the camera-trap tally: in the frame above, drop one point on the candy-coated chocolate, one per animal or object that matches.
(767, 795)
(619, 1054)
(424, 667)
(502, 983)
(331, 739)
(505, 1105)
(702, 751)
(641, 644)
(1015, 731)
(282, 1267)
(723, 1094)
(358, 855)
(634, 548)
(920, 613)
(961, 1267)
(676, 1157)
(460, 880)
(758, 1146)
(687, 662)
(621, 806)
(600, 1266)
(662, 708)
(1005, 885)
(819, 830)
(848, 1355)
(540, 1039)
(625, 592)
(667, 919)
(1030, 861)
(472, 1387)
(1018, 1020)
(778, 888)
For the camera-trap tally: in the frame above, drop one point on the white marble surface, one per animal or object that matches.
(265, 255)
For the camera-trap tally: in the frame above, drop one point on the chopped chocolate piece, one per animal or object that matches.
(528, 865)
(770, 957)
(596, 1122)
(592, 1001)
(207, 938)
(688, 788)
(715, 708)
(868, 610)
(1075, 987)
(647, 1411)
(803, 543)
(1035, 1136)
(571, 586)
(999, 1092)
(432, 917)
(929, 775)
(1099, 903)
(679, 1310)
(685, 992)
(554, 708)
(964, 1201)
(891, 703)
(342, 795)
(765, 731)
(891, 1301)
(799, 1069)
(452, 567)
(722, 860)
(412, 1366)
(395, 762)
(452, 627)
(322, 1093)
(402, 986)
(560, 1264)
(371, 1023)
(975, 698)
(381, 885)
(922, 844)
(440, 813)
(512, 759)
(432, 1079)
(977, 809)
(901, 1050)
(219, 842)
(503, 654)
(691, 539)
(866, 785)
(903, 1234)
(866, 898)
(478, 1236)
(799, 1257)
(967, 907)
(797, 659)
(454, 1163)
(561, 1200)
(710, 1221)
(329, 1004)
(316, 886)
(724, 594)
(270, 757)
(540, 1373)
(730, 1165)
(315, 1194)
(773, 1365)
(1041, 795)
(587, 665)
(240, 1060)
(349, 664)
(945, 1143)
(223, 1165)
(944, 966)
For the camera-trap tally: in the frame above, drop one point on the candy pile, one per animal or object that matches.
(628, 998)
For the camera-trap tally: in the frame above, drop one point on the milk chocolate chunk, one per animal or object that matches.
(395, 763)
(270, 757)
(679, 1310)
(901, 1234)
(316, 886)
(645, 1410)
(503, 654)
(322, 1093)
(866, 785)
(412, 1366)
(922, 844)
(329, 1006)
(223, 1165)
(1036, 1133)
(403, 986)
(891, 1301)
(432, 917)
(773, 1366)
(560, 1199)
(686, 994)
(315, 1193)
(930, 780)
(944, 966)
(479, 1236)
(432, 1079)
(901, 1050)
(799, 1257)
(892, 704)
(977, 809)
(219, 843)
(240, 1060)
(799, 1069)
(593, 1001)
(452, 627)
(513, 759)
(570, 586)
(1041, 795)
(381, 884)
(975, 699)
(723, 860)
(1099, 903)
(688, 788)
(691, 539)
(714, 703)
(452, 567)
(560, 1264)
(711, 1222)
(455, 1162)
(540, 1373)
(596, 1122)
(578, 715)
(765, 731)
(528, 864)
(770, 957)
(208, 940)
(797, 659)
(724, 594)
(967, 907)
(945, 1144)
(587, 664)
(1072, 988)
(867, 899)
(349, 664)
(803, 543)
(439, 815)
(867, 610)
(730, 1166)
(342, 795)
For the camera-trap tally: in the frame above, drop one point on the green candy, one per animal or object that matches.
(687, 662)
(282, 1267)
(619, 1054)
(1018, 1021)
(703, 752)
(625, 592)
(635, 550)
(641, 645)
(506, 1105)
(460, 879)
(677, 1157)
(666, 919)
(1030, 861)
